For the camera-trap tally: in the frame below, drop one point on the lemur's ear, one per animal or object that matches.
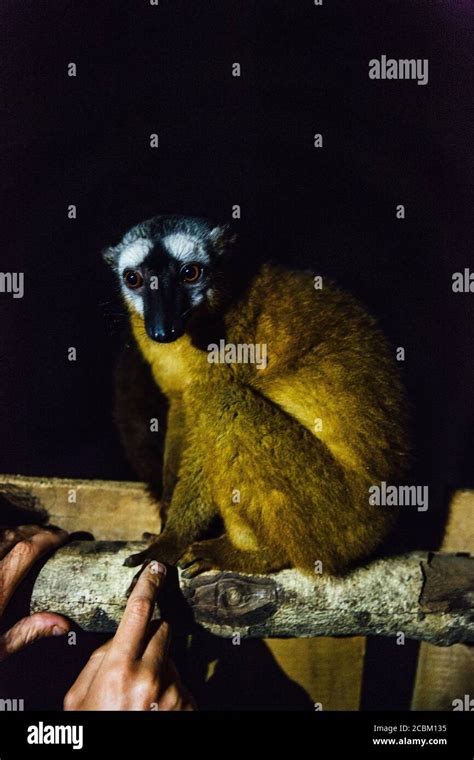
(109, 255)
(222, 238)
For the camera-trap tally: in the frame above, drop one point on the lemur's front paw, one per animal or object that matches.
(138, 559)
(163, 549)
(198, 558)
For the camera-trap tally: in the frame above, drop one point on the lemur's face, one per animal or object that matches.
(167, 269)
(164, 281)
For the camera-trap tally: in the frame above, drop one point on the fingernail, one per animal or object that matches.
(57, 631)
(157, 568)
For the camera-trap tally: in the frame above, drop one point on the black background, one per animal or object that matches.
(226, 141)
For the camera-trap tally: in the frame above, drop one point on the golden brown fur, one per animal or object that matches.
(235, 428)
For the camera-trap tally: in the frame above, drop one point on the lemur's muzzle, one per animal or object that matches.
(165, 313)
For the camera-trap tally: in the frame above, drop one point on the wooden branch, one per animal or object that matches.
(425, 596)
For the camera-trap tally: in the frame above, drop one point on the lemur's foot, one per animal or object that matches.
(164, 549)
(220, 554)
(137, 559)
(198, 558)
(212, 554)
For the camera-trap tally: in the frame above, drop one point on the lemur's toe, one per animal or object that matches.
(196, 568)
(193, 561)
(136, 559)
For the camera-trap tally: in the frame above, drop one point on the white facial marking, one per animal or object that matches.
(130, 258)
(134, 300)
(182, 248)
(133, 255)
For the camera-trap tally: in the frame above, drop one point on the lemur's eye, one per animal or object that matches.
(133, 279)
(191, 272)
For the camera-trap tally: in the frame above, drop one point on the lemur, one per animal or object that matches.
(283, 454)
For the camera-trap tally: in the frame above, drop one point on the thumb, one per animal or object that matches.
(29, 629)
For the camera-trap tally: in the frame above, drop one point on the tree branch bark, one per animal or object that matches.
(424, 596)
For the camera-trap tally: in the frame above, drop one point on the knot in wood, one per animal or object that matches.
(232, 599)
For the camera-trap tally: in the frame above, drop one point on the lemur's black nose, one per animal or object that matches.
(165, 333)
(162, 335)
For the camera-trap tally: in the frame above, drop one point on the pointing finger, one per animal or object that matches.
(130, 636)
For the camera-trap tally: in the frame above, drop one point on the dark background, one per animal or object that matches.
(225, 141)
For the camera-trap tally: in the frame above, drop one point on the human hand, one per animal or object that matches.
(20, 548)
(132, 671)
